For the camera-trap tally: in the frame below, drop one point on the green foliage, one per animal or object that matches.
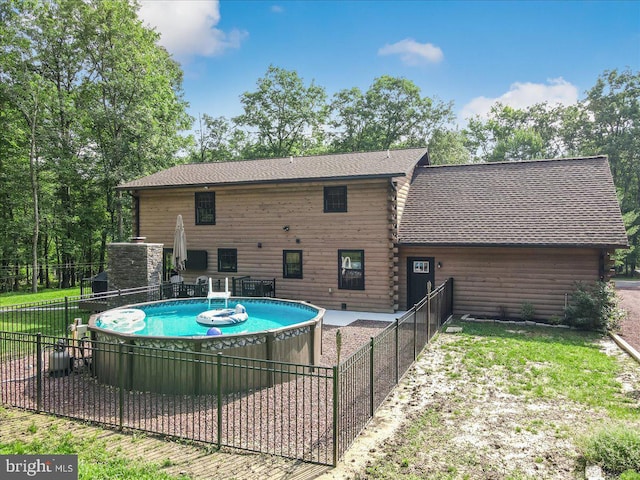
(594, 307)
(390, 114)
(527, 311)
(88, 99)
(448, 147)
(617, 450)
(285, 114)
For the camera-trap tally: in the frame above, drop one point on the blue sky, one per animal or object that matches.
(469, 52)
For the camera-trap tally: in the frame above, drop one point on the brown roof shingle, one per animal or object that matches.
(564, 202)
(320, 167)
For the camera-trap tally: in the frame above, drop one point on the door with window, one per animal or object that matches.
(419, 273)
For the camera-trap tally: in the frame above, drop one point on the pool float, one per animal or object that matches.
(222, 317)
(123, 320)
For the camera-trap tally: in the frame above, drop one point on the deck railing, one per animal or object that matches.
(311, 413)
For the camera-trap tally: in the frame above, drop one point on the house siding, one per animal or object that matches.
(489, 279)
(248, 215)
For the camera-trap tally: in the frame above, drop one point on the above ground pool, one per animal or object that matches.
(178, 318)
(133, 344)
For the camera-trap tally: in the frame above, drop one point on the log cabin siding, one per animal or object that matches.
(489, 279)
(249, 215)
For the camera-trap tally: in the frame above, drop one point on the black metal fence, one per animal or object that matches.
(312, 413)
(52, 317)
(292, 418)
(364, 380)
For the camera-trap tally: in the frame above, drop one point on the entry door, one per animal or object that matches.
(419, 272)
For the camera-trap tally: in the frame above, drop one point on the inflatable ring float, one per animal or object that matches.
(123, 320)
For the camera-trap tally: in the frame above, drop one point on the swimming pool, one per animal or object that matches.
(177, 318)
(167, 351)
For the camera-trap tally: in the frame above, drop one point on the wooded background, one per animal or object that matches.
(88, 100)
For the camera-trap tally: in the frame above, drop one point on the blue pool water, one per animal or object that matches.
(178, 317)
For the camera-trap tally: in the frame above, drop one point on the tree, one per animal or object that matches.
(26, 92)
(610, 125)
(219, 140)
(89, 100)
(516, 134)
(134, 102)
(391, 113)
(448, 147)
(284, 113)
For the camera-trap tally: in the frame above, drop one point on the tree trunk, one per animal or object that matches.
(33, 174)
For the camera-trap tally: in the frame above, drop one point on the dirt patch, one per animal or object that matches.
(475, 427)
(630, 327)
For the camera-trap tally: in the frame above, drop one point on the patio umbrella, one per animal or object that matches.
(179, 255)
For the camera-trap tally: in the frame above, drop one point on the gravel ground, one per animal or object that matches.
(630, 328)
(291, 428)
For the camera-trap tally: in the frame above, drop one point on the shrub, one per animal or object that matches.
(630, 475)
(527, 311)
(617, 450)
(594, 307)
(555, 320)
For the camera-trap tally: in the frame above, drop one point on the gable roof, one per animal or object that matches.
(564, 202)
(358, 165)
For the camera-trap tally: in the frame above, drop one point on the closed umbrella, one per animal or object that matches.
(179, 255)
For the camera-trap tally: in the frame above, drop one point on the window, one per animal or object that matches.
(292, 264)
(227, 259)
(420, 266)
(335, 199)
(205, 208)
(351, 269)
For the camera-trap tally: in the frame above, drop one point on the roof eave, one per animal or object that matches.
(257, 182)
(514, 244)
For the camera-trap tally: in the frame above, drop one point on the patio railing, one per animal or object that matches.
(311, 413)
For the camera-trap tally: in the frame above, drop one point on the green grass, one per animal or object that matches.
(48, 320)
(12, 298)
(616, 449)
(94, 461)
(537, 363)
(545, 363)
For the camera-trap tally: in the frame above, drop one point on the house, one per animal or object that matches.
(510, 233)
(367, 231)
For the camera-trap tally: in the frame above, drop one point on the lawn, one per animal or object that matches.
(514, 402)
(49, 319)
(13, 298)
(95, 461)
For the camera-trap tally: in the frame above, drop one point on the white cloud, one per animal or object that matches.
(413, 53)
(523, 95)
(277, 8)
(187, 27)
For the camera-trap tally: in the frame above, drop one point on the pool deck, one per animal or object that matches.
(340, 318)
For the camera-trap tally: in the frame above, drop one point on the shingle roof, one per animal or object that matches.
(565, 202)
(320, 167)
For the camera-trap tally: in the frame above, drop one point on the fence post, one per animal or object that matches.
(415, 331)
(428, 311)
(39, 372)
(66, 315)
(336, 409)
(219, 395)
(397, 350)
(371, 378)
(451, 295)
(121, 390)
